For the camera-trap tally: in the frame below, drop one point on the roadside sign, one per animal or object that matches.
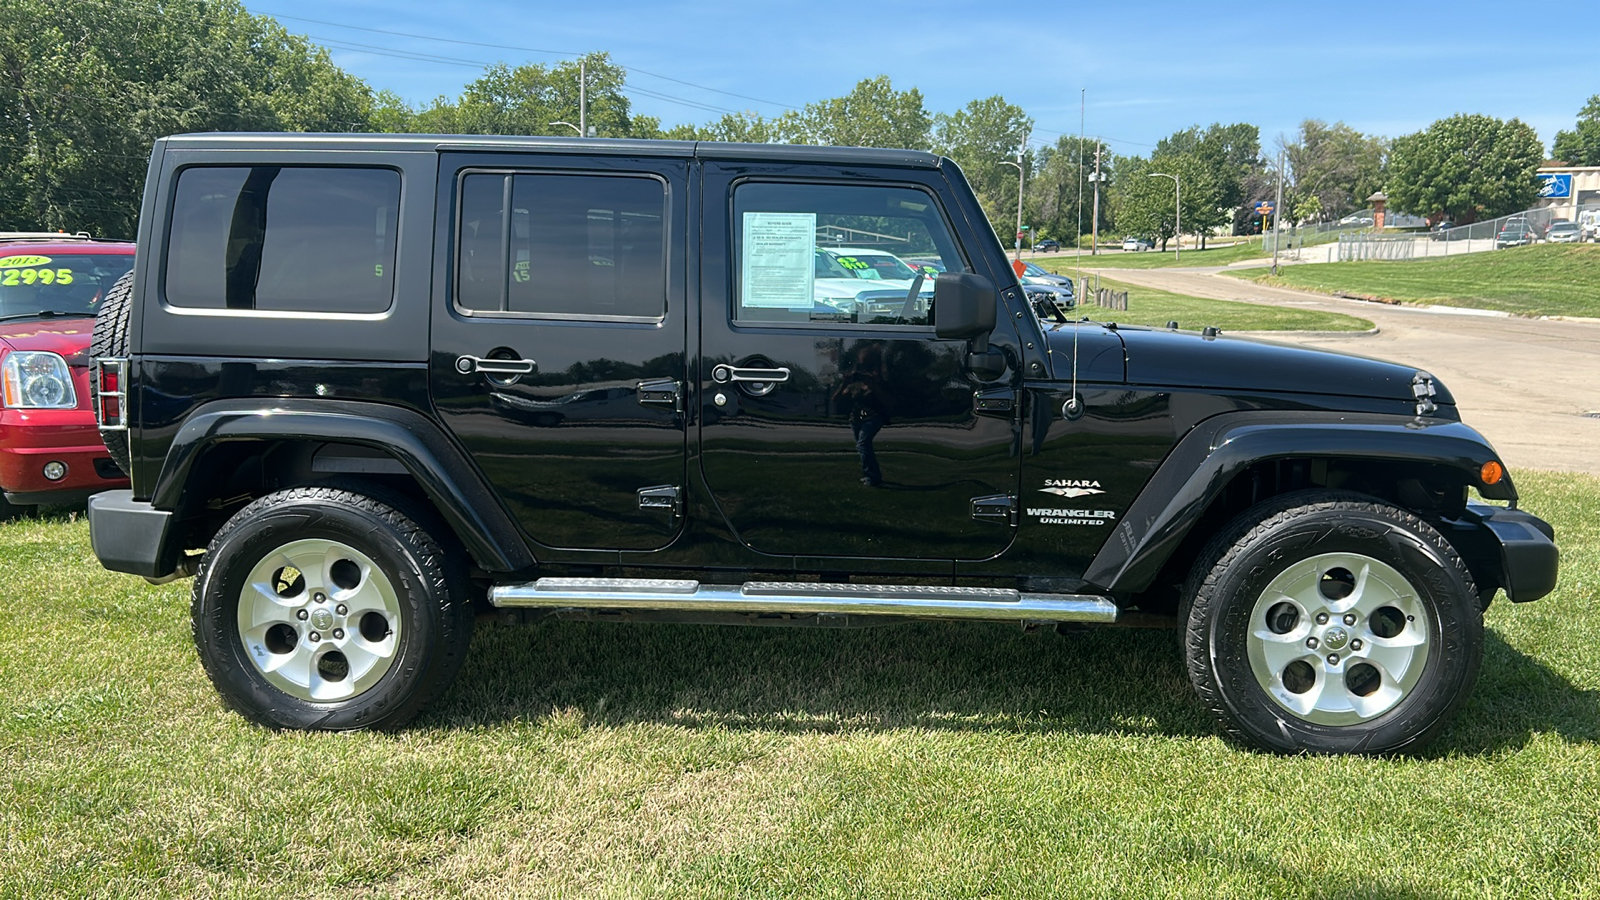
(1263, 208)
(1556, 184)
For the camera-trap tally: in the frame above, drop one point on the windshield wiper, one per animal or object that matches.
(48, 314)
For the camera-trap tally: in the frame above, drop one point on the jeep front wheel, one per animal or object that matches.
(1332, 623)
(324, 609)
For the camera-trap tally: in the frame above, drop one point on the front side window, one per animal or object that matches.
(838, 254)
(562, 246)
(283, 238)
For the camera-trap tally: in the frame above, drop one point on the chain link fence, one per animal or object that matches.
(1332, 242)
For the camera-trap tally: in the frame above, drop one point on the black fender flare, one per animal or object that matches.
(444, 472)
(1202, 464)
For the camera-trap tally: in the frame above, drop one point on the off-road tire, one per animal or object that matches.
(429, 585)
(110, 338)
(1220, 600)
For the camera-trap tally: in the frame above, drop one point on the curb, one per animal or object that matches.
(1370, 332)
(1586, 320)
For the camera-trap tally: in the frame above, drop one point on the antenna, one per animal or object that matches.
(1073, 408)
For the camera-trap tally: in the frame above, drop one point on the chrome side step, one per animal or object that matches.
(919, 601)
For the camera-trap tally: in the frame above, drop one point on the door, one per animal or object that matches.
(835, 423)
(558, 340)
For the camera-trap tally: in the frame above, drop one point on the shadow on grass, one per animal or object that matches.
(954, 676)
(951, 676)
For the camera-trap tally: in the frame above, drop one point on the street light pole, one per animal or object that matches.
(1018, 166)
(1177, 213)
(570, 125)
(583, 99)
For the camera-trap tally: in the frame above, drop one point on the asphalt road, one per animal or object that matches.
(1525, 384)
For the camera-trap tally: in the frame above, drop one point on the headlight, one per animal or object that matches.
(37, 380)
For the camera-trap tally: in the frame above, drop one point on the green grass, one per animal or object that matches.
(1541, 280)
(1148, 306)
(1151, 259)
(927, 760)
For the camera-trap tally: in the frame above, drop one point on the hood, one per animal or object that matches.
(1189, 359)
(68, 337)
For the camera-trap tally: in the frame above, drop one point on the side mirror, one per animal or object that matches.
(963, 306)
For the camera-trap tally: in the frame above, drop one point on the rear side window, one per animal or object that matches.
(282, 238)
(562, 246)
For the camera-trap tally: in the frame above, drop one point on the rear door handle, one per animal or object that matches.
(723, 374)
(468, 365)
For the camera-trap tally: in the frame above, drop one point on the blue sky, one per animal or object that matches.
(1148, 68)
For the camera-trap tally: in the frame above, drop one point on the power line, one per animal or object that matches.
(569, 53)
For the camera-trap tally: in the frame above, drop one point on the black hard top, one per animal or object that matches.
(516, 144)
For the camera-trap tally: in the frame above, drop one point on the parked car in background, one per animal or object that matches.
(1589, 224)
(1437, 232)
(1563, 232)
(1033, 274)
(1515, 233)
(1048, 245)
(1134, 244)
(1051, 303)
(50, 289)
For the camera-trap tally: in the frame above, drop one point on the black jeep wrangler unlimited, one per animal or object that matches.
(384, 383)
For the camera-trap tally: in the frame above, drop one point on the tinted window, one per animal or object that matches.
(583, 246)
(825, 253)
(283, 238)
(32, 282)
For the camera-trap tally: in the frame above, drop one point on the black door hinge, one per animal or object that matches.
(661, 393)
(996, 402)
(999, 508)
(662, 496)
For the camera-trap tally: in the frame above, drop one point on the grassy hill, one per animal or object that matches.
(1542, 280)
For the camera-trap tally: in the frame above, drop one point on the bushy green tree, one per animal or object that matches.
(873, 114)
(1466, 167)
(527, 99)
(979, 137)
(85, 88)
(1581, 146)
(1337, 164)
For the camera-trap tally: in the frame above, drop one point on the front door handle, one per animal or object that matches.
(722, 374)
(469, 365)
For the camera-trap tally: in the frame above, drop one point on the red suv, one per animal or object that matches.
(50, 288)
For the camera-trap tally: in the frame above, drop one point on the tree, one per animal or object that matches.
(1338, 165)
(979, 137)
(85, 88)
(873, 114)
(528, 98)
(1466, 167)
(1061, 173)
(1144, 204)
(1581, 146)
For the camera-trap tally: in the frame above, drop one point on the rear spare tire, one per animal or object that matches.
(110, 338)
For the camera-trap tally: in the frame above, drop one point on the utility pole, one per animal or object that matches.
(1277, 216)
(583, 97)
(1094, 223)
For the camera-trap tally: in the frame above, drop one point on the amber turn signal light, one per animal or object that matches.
(1492, 472)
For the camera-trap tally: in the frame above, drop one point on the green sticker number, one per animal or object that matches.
(14, 277)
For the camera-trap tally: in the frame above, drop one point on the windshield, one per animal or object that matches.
(57, 282)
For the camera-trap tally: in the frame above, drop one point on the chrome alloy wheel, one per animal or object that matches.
(320, 620)
(1339, 638)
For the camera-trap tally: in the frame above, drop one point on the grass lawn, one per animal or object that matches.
(1148, 306)
(1151, 259)
(1541, 280)
(927, 760)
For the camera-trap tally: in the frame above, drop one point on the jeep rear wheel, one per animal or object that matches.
(319, 608)
(1323, 622)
